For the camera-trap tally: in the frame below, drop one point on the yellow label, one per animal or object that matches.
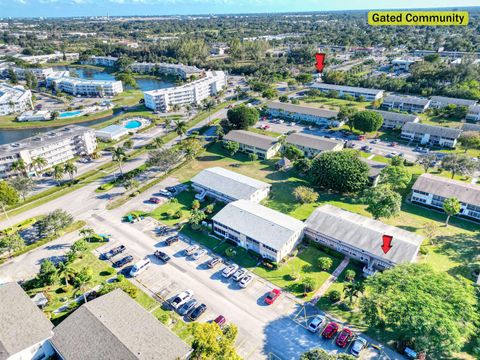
(418, 18)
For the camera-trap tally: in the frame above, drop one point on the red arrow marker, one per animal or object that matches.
(387, 243)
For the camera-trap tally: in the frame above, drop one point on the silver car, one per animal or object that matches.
(186, 307)
(357, 347)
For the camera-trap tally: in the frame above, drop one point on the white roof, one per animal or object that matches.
(229, 183)
(258, 222)
(112, 130)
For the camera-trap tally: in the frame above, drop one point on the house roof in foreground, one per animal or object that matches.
(313, 141)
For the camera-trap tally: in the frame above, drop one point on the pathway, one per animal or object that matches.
(326, 285)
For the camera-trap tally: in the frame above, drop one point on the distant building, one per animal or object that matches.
(430, 134)
(432, 191)
(40, 115)
(357, 92)
(108, 61)
(111, 133)
(312, 145)
(470, 127)
(227, 186)
(265, 147)
(219, 49)
(114, 326)
(439, 102)
(374, 170)
(14, 99)
(24, 329)
(395, 120)
(268, 232)
(55, 147)
(304, 113)
(400, 64)
(410, 104)
(361, 238)
(86, 87)
(473, 113)
(42, 59)
(183, 71)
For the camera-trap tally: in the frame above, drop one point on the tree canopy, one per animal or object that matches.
(242, 116)
(367, 121)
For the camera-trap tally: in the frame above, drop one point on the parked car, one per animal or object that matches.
(115, 251)
(195, 314)
(344, 338)
(139, 267)
(214, 262)
(375, 141)
(191, 249)
(220, 320)
(165, 193)
(171, 189)
(393, 144)
(272, 296)
(154, 200)
(358, 345)
(199, 254)
(330, 330)
(187, 306)
(239, 274)
(171, 240)
(229, 270)
(161, 256)
(181, 298)
(246, 280)
(316, 323)
(391, 155)
(124, 261)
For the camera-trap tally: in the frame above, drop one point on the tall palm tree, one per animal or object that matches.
(353, 289)
(118, 155)
(158, 142)
(70, 169)
(38, 163)
(83, 285)
(58, 173)
(66, 271)
(208, 107)
(238, 91)
(19, 166)
(87, 233)
(180, 128)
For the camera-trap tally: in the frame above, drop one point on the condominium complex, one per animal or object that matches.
(55, 147)
(312, 145)
(410, 104)
(438, 102)
(86, 87)
(430, 134)
(41, 59)
(265, 147)
(395, 120)
(357, 92)
(304, 113)
(14, 99)
(183, 71)
(109, 61)
(191, 93)
(473, 113)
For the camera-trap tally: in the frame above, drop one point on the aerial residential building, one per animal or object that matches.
(432, 191)
(430, 134)
(226, 186)
(361, 238)
(470, 127)
(183, 71)
(41, 59)
(439, 102)
(312, 145)
(86, 87)
(55, 147)
(374, 170)
(190, 93)
(40, 115)
(304, 113)
(14, 99)
(24, 329)
(108, 61)
(410, 104)
(404, 64)
(219, 49)
(265, 147)
(252, 226)
(473, 113)
(114, 326)
(395, 120)
(111, 133)
(357, 92)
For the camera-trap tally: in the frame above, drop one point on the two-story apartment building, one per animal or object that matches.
(304, 113)
(14, 99)
(108, 61)
(265, 147)
(431, 190)
(473, 113)
(252, 226)
(361, 238)
(470, 127)
(430, 134)
(439, 102)
(227, 186)
(357, 92)
(411, 104)
(312, 145)
(395, 120)
(183, 71)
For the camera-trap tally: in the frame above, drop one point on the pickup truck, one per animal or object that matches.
(115, 251)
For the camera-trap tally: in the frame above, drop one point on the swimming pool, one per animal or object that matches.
(70, 113)
(133, 124)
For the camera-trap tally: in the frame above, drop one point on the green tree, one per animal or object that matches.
(367, 121)
(83, 281)
(398, 177)
(304, 78)
(11, 242)
(341, 171)
(54, 222)
(128, 144)
(426, 161)
(180, 128)
(195, 204)
(158, 142)
(253, 157)
(127, 79)
(191, 147)
(65, 271)
(382, 202)
(87, 233)
(325, 263)
(231, 146)
(320, 354)
(347, 114)
(48, 274)
(334, 296)
(58, 173)
(353, 290)
(242, 116)
(70, 169)
(283, 98)
(470, 140)
(130, 184)
(409, 301)
(119, 155)
(23, 185)
(452, 207)
(350, 275)
(54, 114)
(163, 159)
(79, 247)
(459, 164)
(305, 195)
(211, 342)
(38, 163)
(8, 197)
(19, 167)
(270, 93)
(309, 284)
(196, 218)
(291, 152)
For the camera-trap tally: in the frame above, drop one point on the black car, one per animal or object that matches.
(171, 240)
(195, 314)
(115, 251)
(172, 189)
(124, 261)
(162, 256)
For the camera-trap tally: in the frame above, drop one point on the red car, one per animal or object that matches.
(154, 200)
(220, 320)
(393, 144)
(272, 296)
(344, 337)
(330, 330)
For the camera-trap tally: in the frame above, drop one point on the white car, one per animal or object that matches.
(316, 323)
(246, 280)
(191, 249)
(357, 347)
(199, 254)
(139, 267)
(229, 270)
(181, 299)
(239, 274)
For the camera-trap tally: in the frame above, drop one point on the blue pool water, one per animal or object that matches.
(133, 124)
(69, 113)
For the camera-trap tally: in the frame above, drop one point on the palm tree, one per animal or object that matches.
(208, 107)
(65, 271)
(353, 289)
(58, 173)
(180, 128)
(38, 163)
(119, 155)
(70, 169)
(238, 91)
(168, 122)
(83, 284)
(158, 142)
(19, 166)
(87, 233)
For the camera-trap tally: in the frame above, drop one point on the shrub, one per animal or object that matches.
(120, 278)
(309, 284)
(72, 306)
(230, 252)
(335, 296)
(325, 263)
(178, 214)
(350, 275)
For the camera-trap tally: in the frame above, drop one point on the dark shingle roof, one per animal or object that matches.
(114, 326)
(312, 141)
(471, 127)
(394, 116)
(454, 101)
(250, 138)
(22, 323)
(432, 130)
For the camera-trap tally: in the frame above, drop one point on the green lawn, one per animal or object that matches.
(332, 103)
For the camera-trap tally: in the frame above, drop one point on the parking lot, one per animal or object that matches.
(263, 329)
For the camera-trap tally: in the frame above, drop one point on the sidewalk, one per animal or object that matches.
(326, 285)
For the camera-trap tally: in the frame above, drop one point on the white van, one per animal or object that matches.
(139, 267)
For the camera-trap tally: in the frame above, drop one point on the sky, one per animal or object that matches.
(66, 8)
